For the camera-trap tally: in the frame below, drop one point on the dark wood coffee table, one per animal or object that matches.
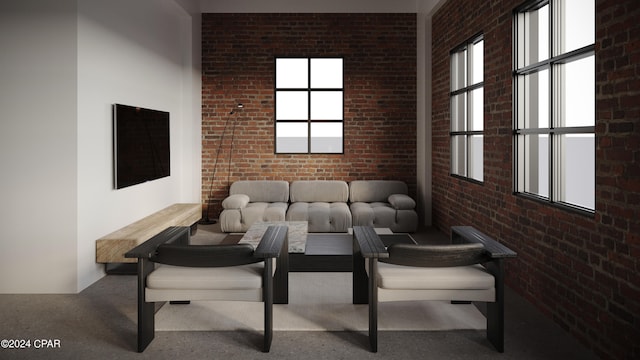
(334, 252)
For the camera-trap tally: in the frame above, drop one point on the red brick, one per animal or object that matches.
(562, 257)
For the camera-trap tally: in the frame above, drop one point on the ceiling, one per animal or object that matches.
(309, 6)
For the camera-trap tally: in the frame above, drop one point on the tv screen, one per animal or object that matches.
(141, 145)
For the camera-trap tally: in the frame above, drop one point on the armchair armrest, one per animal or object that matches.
(402, 202)
(469, 234)
(369, 243)
(235, 201)
(272, 243)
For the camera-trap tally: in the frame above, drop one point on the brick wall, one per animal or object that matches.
(238, 62)
(581, 271)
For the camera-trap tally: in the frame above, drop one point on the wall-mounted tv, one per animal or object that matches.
(140, 145)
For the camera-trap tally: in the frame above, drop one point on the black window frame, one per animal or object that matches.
(309, 90)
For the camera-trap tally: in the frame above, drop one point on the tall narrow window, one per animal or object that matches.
(467, 109)
(309, 98)
(554, 95)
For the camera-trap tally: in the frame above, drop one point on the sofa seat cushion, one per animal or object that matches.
(399, 277)
(321, 216)
(209, 278)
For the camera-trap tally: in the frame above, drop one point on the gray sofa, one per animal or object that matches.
(327, 205)
(254, 201)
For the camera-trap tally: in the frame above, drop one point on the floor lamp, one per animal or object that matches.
(206, 220)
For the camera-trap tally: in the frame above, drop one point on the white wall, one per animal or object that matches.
(37, 146)
(134, 53)
(63, 63)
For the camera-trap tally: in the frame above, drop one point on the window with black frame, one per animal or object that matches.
(467, 110)
(554, 102)
(309, 111)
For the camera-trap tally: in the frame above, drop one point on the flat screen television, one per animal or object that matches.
(140, 145)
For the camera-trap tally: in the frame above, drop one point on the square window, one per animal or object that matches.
(292, 74)
(292, 105)
(326, 138)
(292, 137)
(326, 105)
(326, 73)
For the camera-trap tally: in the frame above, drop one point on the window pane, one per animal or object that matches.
(577, 24)
(477, 63)
(292, 105)
(326, 73)
(459, 155)
(476, 101)
(292, 73)
(576, 161)
(533, 36)
(536, 164)
(459, 112)
(458, 70)
(476, 157)
(577, 98)
(533, 100)
(326, 105)
(291, 137)
(326, 137)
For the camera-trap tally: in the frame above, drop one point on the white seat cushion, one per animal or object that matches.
(474, 277)
(220, 278)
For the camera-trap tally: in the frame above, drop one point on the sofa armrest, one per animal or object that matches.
(235, 201)
(402, 202)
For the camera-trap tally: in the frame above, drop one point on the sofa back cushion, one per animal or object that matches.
(375, 190)
(319, 191)
(262, 190)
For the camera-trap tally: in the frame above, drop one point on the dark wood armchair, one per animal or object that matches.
(199, 272)
(468, 269)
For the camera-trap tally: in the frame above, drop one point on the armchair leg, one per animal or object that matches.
(495, 310)
(373, 305)
(146, 310)
(267, 294)
(360, 283)
(281, 277)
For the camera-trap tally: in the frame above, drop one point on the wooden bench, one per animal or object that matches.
(110, 249)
